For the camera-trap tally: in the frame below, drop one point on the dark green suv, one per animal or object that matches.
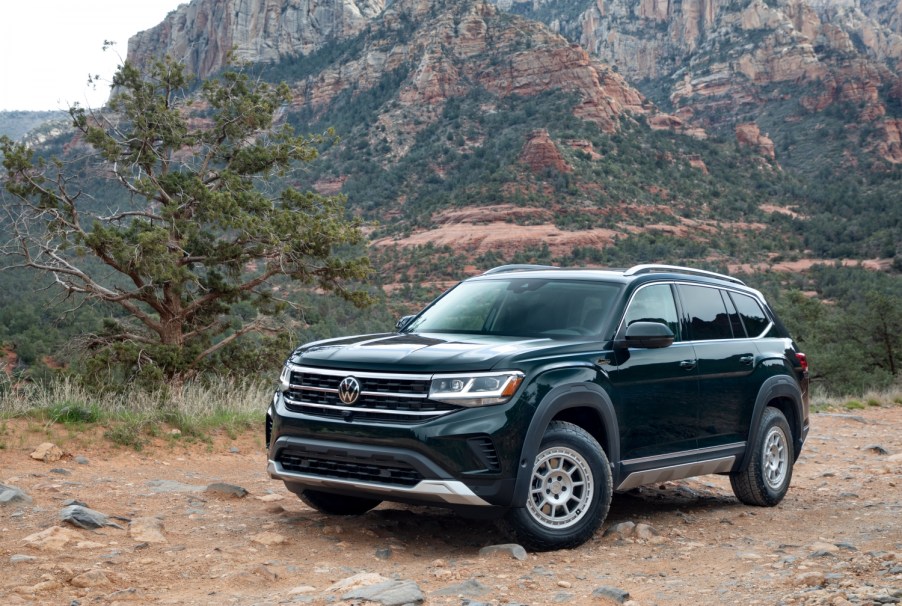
(535, 392)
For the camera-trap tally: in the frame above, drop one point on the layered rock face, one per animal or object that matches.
(204, 32)
(457, 46)
(717, 61)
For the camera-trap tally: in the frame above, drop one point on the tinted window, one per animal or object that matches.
(654, 304)
(708, 318)
(735, 322)
(752, 315)
(520, 307)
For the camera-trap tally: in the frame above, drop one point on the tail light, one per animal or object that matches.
(803, 361)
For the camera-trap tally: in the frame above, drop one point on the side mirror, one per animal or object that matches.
(647, 335)
(403, 322)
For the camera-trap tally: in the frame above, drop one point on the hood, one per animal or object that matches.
(431, 352)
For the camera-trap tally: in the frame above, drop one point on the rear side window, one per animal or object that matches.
(708, 317)
(753, 317)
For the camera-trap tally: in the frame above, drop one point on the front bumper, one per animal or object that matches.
(455, 461)
(448, 492)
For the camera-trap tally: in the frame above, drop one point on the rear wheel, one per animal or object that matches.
(569, 491)
(336, 504)
(766, 479)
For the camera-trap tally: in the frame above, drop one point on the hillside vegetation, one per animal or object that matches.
(463, 153)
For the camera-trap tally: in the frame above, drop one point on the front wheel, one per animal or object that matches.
(569, 491)
(337, 505)
(766, 479)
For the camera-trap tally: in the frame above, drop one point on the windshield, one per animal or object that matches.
(520, 307)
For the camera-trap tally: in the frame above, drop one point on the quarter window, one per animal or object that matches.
(753, 317)
(708, 318)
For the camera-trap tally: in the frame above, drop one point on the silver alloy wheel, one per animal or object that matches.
(775, 458)
(561, 488)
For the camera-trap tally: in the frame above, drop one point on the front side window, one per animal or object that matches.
(654, 304)
(708, 317)
(529, 307)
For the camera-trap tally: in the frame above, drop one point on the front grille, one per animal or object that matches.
(384, 398)
(398, 473)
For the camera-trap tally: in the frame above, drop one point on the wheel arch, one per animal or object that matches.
(585, 405)
(783, 393)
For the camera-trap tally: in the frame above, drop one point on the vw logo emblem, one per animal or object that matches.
(348, 390)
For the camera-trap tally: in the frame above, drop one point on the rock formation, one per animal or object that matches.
(540, 153)
(204, 32)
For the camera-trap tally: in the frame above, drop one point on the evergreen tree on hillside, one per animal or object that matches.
(203, 220)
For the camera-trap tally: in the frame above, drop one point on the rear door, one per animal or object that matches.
(726, 360)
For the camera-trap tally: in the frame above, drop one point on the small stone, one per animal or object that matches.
(86, 518)
(52, 539)
(147, 530)
(175, 432)
(383, 553)
(333, 530)
(471, 588)
(81, 460)
(621, 530)
(389, 593)
(68, 502)
(18, 558)
(91, 578)
(876, 448)
(822, 549)
(611, 593)
(47, 452)
(269, 498)
(564, 584)
(229, 491)
(269, 539)
(234, 450)
(358, 580)
(61, 471)
(510, 549)
(645, 532)
(810, 579)
(11, 495)
(300, 589)
(896, 458)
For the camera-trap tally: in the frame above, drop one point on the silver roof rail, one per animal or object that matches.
(516, 267)
(653, 268)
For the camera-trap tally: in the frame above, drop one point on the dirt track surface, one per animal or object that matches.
(836, 539)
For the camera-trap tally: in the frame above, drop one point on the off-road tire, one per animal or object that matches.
(766, 479)
(569, 491)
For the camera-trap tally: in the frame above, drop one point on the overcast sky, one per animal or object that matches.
(48, 48)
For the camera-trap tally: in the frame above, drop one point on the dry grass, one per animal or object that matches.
(891, 396)
(195, 410)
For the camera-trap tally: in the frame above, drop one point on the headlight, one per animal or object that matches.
(285, 378)
(475, 389)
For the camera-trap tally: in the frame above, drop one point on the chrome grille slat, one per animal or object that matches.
(387, 398)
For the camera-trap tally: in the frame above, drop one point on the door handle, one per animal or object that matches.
(747, 360)
(688, 364)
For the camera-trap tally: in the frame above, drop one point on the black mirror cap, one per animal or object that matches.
(647, 335)
(403, 322)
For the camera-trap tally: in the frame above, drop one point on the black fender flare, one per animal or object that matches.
(779, 386)
(584, 395)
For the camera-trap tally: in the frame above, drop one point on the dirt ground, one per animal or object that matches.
(836, 538)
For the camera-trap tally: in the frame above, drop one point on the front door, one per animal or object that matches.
(656, 390)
